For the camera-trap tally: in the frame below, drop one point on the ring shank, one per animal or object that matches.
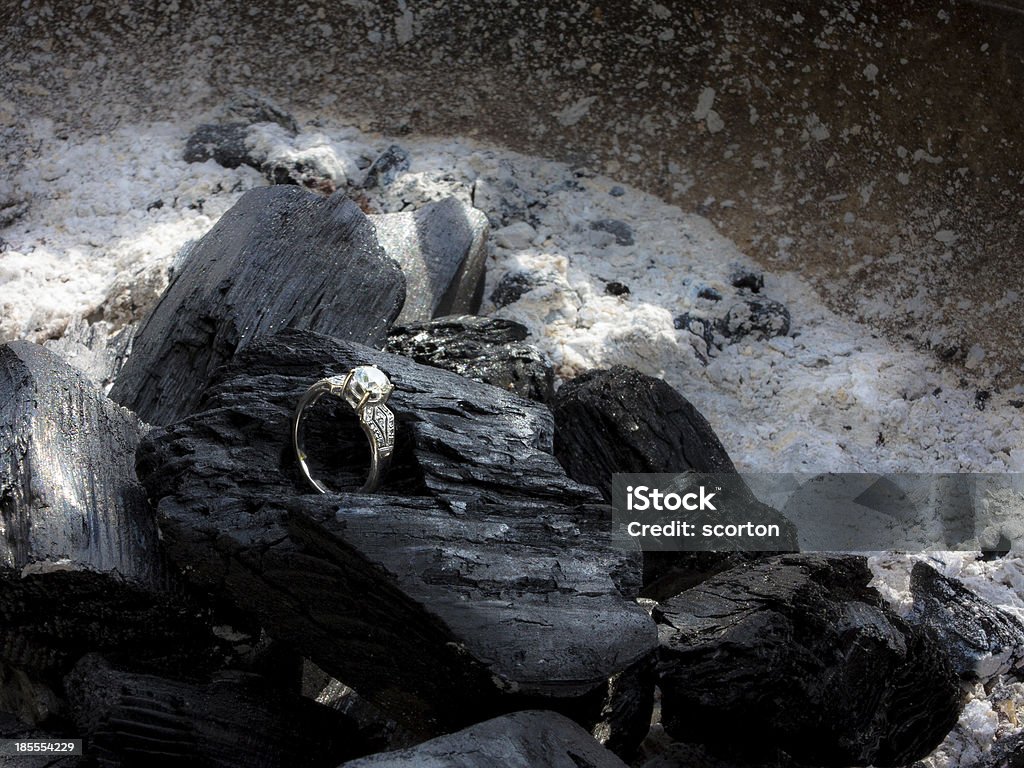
(375, 419)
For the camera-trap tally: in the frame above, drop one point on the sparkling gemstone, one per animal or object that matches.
(367, 379)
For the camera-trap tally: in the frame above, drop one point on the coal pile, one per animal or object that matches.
(174, 592)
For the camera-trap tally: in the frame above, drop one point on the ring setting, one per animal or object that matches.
(366, 389)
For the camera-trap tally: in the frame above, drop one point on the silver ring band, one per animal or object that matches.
(366, 389)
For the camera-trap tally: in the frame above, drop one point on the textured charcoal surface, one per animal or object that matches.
(68, 491)
(274, 261)
(529, 738)
(804, 654)
(491, 572)
(80, 562)
(485, 349)
(982, 641)
(442, 248)
(235, 719)
(620, 420)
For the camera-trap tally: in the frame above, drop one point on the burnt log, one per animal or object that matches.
(802, 655)
(524, 738)
(80, 562)
(67, 480)
(485, 349)
(282, 257)
(478, 578)
(234, 720)
(442, 248)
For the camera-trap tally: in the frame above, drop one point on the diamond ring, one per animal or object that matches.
(366, 389)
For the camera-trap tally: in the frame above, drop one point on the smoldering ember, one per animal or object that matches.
(325, 328)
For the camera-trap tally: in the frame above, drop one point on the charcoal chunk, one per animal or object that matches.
(442, 248)
(80, 560)
(625, 718)
(281, 257)
(620, 420)
(615, 288)
(982, 640)
(490, 350)
(801, 652)
(70, 498)
(512, 286)
(529, 738)
(225, 140)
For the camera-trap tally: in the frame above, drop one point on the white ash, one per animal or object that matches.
(106, 216)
